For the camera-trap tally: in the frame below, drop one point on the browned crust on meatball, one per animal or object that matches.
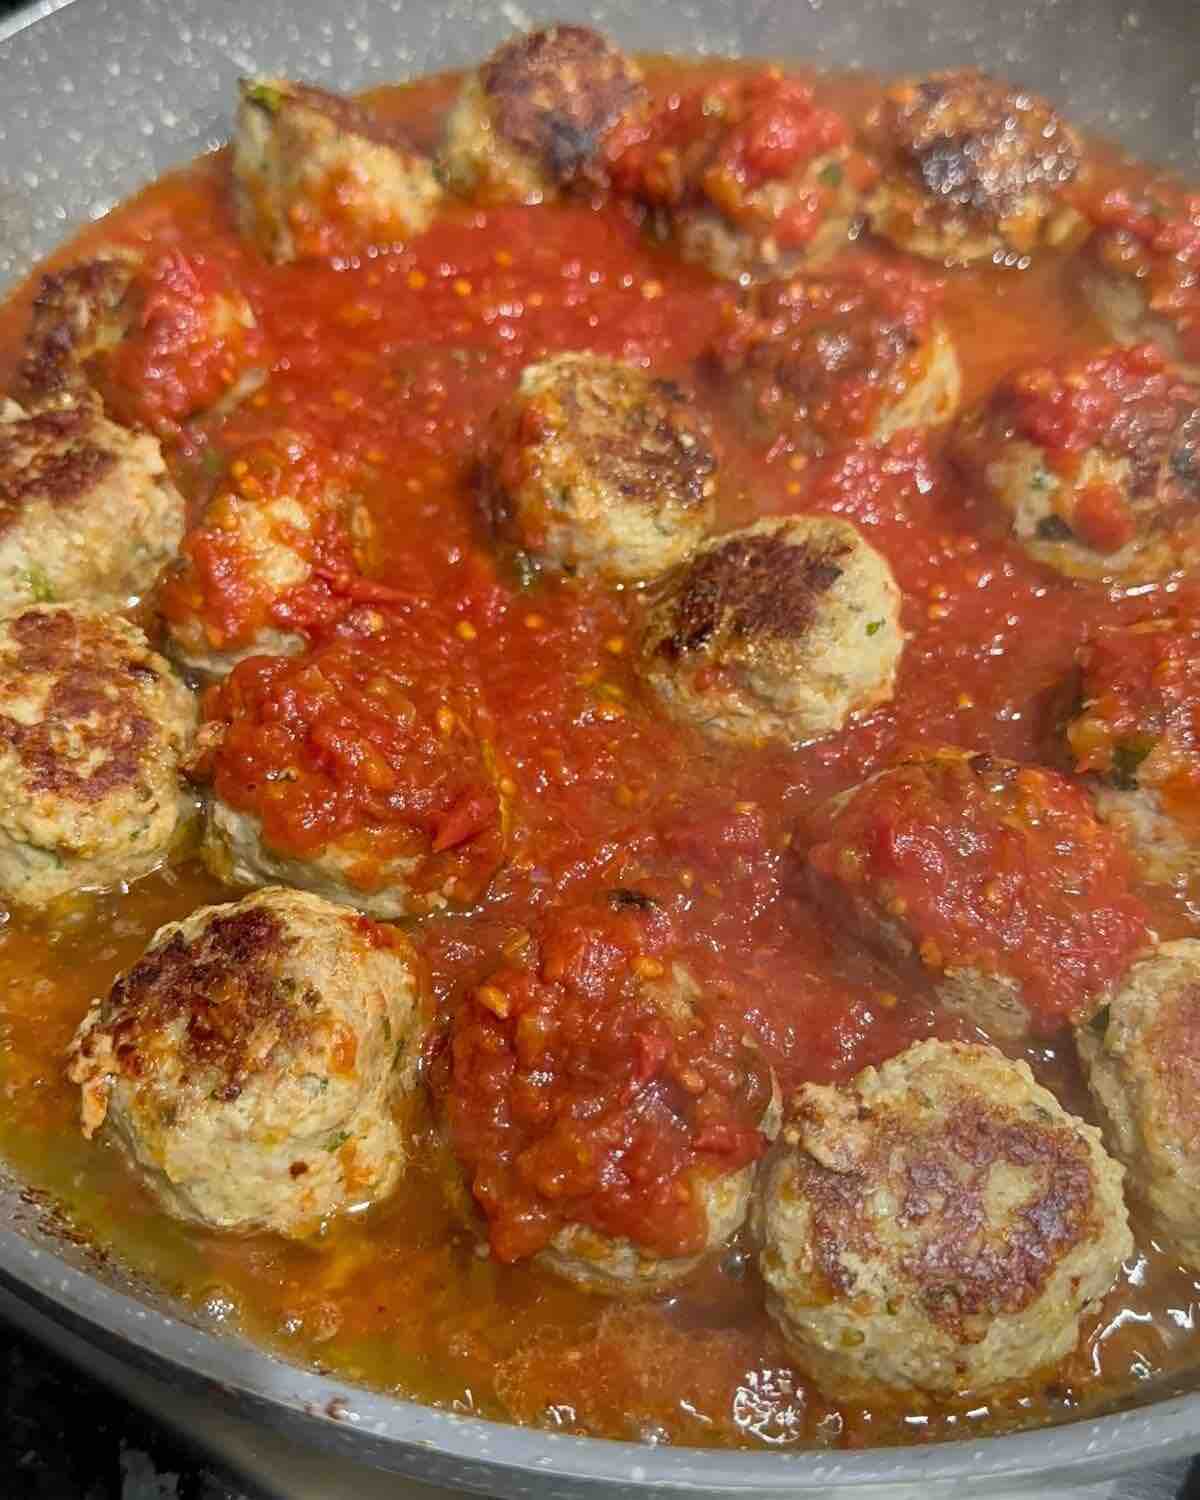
(347, 114)
(761, 586)
(79, 652)
(66, 312)
(556, 92)
(54, 474)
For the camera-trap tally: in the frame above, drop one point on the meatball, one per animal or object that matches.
(781, 631)
(275, 550)
(1137, 735)
(972, 169)
(93, 728)
(1142, 275)
(1094, 464)
(998, 877)
(596, 468)
(1142, 1060)
(161, 341)
(606, 1118)
(87, 511)
(820, 361)
(748, 176)
(257, 1062)
(537, 117)
(316, 175)
(938, 1224)
(360, 770)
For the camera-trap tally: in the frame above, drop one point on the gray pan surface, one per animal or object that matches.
(98, 96)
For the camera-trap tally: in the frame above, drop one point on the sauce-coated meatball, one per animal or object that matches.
(1142, 1059)
(594, 467)
(87, 510)
(972, 169)
(257, 1060)
(938, 1224)
(1094, 462)
(998, 877)
(360, 770)
(816, 362)
(93, 728)
(536, 118)
(781, 631)
(317, 175)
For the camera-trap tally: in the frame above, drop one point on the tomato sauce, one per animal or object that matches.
(381, 372)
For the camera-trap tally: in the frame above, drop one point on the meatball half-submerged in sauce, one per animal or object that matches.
(360, 771)
(606, 1115)
(998, 877)
(94, 727)
(819, 361)
(539, 116)
(972, 169)
(1094, 463)
(938, 1224)
(594, 467)
(781, 631)
(256, 1061)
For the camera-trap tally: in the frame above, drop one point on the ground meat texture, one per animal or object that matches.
(360, 771)
(1142, 1059)
(316, 175)
(594, 467)
(258, 1062)
(1137, 736)
(819, 361)
(93, 728)
(999, 878)
(972, 169)
(940, 1224)
(277, 552)
(87, 510)
(536, 118)
(748, 176)
(1142, 274)
(1094, 463)
(607, 1118)
(781, 631)
(162, 340)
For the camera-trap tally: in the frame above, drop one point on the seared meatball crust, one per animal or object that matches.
(256, 1062)
(938, 1224)
(972, 169)
(87, 510)
(817, 362)
(781, 631)
(79, 313)
(597, 468)
(998, 877)
(1094, 463)
(316, 175)
(94, 727)
(534, 121)
(1142, 1059)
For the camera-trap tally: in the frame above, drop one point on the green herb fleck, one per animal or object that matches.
(1099, 1022)
(1039, 479)
(1054, 529)
(1127, 757)
(874, 627)
(40, 586)
(387, 1029)
(269, 95)
(831, 175)
(337, 1140)
(525, 569)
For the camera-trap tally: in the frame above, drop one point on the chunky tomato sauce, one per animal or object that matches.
(380, 374)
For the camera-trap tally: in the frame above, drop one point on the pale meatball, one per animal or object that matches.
(818, 362)
(317, 175)
(93, 728)
(1094, 464)
(87, 510)
(1142, 1060)
(972, 169)
(938, 1224)
(594, 467)
(535, 119)
(258, 1061)
(782, 631)
(998, 878)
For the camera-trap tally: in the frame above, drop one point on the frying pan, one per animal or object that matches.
(98, 96)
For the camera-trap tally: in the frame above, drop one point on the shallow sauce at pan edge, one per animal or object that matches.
(400, 1298)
